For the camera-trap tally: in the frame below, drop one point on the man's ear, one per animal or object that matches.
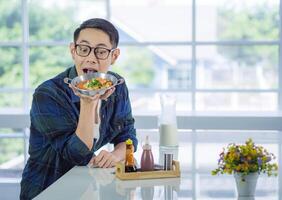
(115, 55)
(72, 49)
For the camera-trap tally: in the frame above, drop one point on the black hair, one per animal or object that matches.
(101, 24)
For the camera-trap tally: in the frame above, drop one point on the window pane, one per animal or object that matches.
(240, 67)
(11, 78)
(57, 20)
(11, 132)
(11, 72)
(11, 153)
(155, 67)
(10, 20)
(226, 136)
(149, 103)
(236, 101)
(168, 20)
(11, 102)
(237, 20)
(46, 62)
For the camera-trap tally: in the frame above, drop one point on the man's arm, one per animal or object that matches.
(86, 121)
(52, 119)
(88, 116)
(123, 107)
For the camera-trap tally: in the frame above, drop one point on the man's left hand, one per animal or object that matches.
(104, 159)
(107, 94)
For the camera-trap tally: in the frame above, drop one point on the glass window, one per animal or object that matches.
(57, 20)
(236, 48)
(10, 20)
(152, 21)
(155, 67)
(11, 72)
(210, 144)
(237, 67)
(11, 153)
(143, 102)
(236, 101)
(11, 159)
(11, 102)
(47, 62)
(237, 20)
(11, 80)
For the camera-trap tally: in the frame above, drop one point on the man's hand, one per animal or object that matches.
(108, 93)
(104, 159)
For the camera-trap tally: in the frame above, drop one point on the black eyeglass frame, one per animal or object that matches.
(93, 48)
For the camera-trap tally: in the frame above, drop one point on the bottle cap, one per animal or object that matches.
(128, 141)
(147, 145)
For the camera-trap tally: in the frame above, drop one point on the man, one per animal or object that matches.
(67, 127)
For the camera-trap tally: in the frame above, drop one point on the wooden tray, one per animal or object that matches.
(120, 173)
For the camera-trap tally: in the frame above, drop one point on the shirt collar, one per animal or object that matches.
(73, 72)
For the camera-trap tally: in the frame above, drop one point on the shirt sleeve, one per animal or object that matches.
(125, 120)
(50, 116)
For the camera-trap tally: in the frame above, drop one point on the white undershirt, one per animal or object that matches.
(96, 131)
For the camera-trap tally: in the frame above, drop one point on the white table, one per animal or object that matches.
(94, 183)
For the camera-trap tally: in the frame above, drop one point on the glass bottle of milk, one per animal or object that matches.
(168, 127)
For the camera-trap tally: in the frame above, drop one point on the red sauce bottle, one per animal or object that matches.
(147, 159)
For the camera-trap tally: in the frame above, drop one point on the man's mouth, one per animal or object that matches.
(88, 70)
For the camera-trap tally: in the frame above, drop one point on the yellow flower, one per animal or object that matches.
(238, 168)
(253, 153)
(246, 158)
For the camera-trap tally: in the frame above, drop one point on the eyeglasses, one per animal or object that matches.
(101, 53)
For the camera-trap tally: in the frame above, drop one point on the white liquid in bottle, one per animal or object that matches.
(168, 135)
(168, 128)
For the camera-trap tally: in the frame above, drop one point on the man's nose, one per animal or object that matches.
(92, 57)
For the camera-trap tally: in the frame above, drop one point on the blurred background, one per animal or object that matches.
(218, 57)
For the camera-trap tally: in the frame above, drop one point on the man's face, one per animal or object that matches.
(93, 38)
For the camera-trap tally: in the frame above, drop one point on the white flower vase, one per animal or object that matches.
(246, 185)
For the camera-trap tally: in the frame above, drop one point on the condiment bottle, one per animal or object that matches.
(167, 122)
(129, 157)
(147, 159)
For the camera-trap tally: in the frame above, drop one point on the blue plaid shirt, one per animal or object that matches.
(54, 147)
